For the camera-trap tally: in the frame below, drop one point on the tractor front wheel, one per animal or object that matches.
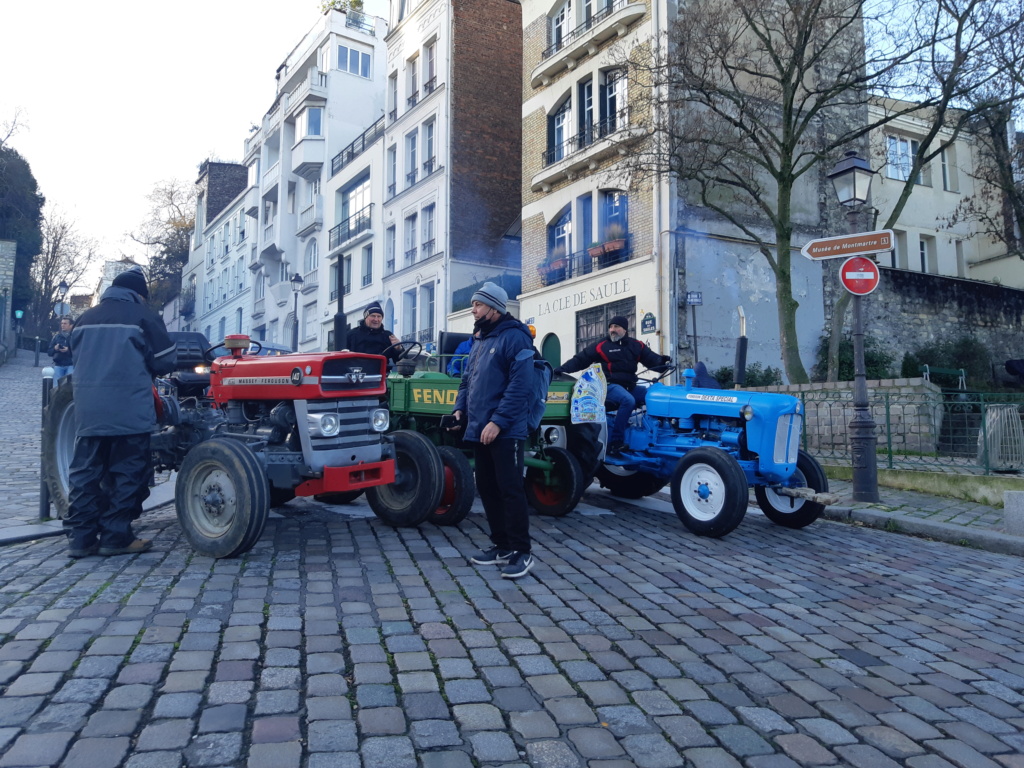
(790, 512)
(709, 492)
(557, 492)
(629, 484)
(419, 482)
(222, 498)
(59, 444)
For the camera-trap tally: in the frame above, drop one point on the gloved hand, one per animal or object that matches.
(665, 360)
(558, 372)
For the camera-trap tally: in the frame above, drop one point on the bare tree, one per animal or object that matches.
(65, 257)
(754, 98)
(167, 232)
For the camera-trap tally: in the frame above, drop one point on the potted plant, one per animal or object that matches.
(595, 250)
(614, 245)
(553, 268)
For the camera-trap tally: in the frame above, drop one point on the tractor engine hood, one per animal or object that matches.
(317, 376)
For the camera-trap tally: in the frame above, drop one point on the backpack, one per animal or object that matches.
(542, 373)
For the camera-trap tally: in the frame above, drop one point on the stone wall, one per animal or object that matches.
(8, 250)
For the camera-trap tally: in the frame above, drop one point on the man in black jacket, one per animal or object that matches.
(371, 337)
(619, 356)
(60, 351)
(118, 347)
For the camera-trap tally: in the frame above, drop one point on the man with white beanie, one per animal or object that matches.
(492, 407)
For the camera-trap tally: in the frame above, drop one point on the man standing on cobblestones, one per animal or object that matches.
(119, 346)
(492, 406)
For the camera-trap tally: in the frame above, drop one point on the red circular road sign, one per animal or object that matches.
(859, 275)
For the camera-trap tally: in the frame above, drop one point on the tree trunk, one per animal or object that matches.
(836, 334)
(787, 306)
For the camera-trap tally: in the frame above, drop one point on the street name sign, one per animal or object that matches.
(859, 275)
(845, 246)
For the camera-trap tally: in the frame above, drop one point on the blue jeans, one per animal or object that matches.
(60, 371)
(623, 402)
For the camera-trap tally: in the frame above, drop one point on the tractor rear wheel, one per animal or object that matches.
(788, 511)
(222, 498)
(419, 481)
(59, 444)
(629, 484)
(709, 492)
(559, 496)
(459, 488)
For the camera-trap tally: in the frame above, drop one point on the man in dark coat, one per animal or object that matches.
(118, 347)
(371, 337)
(492, 405)
(60, 351)
(619, 355)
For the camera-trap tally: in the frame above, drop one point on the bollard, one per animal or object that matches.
(44, 489)
(37, 354)
(1013, 513)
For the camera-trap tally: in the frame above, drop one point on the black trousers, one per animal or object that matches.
(499, 481)
(109, 478)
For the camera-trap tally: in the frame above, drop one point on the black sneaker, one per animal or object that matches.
(492, 556)
(519, 564)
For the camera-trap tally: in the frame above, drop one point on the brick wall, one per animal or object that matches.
(223, 183)
(486, 135)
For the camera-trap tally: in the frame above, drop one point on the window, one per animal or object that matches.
(614, 214)
(226, 237)
(367, 265)
(254, 173)
(240, 272)
(592, 324)
(225, 285)
(410, 239)
(393, 96)
(561, 24)
(430, 67)
(346, 275)
(961, 261)
(410, 158)
(409, 313)
(928, 253)
(354, 206)
(333, 281)
(613, 101)
(950, 179)
(586, 110)
(428, 148)
(312, 121)
(353, 61)
(900, 158)
(392, 171)
(586, 219)
(412, 81)
(261, 285)
(222, 329)
(312, 260)
(309, 322)
(272, 332)
(238, 320)
(560, 233)
(429, 244)
(559, 130)
(426, 324)
(389, 250)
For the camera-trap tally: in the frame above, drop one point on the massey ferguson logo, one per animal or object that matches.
(355, 376)
(296, 377)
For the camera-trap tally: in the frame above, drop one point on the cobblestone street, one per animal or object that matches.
(338, 642)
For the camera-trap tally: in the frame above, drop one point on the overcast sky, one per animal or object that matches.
(118, 95)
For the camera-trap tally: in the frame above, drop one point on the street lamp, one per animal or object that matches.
(296, 289)
(851, 178)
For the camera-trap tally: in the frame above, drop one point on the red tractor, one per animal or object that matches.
(246, 432)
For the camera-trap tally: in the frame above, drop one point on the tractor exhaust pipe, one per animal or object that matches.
(739, 368)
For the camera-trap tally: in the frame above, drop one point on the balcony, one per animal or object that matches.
(430, 86)
(308, 157)
(389, 267)
(367, 280)
(391, 191)
(311, 218)
(393, 115)
(268, 243)
(251, 203)
(346, 288)
(312, 91)
(611, 21)
(413, 99)
(334, 294)
(360, 21)
(410, 256)
(410, 178)
(428, 248)
(428, 166)
(259, 307)
(558, 269)
(357, 147)
(353, 229)
(585, 150)
(310, 280)
(271, 178)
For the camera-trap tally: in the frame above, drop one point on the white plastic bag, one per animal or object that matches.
(587, 405)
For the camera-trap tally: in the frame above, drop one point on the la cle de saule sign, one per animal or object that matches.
(844, 246)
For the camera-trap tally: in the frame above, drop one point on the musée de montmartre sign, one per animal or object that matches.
(582, 298)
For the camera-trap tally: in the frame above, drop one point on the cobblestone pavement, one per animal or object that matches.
(338, 641)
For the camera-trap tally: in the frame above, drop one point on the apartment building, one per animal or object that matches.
(591, 234)
(451, 157)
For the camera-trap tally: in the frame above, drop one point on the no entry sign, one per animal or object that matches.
(859, 275)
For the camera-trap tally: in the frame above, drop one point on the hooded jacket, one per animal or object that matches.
(618, 359)
(371, 341)
(118, 347)
(497, 381)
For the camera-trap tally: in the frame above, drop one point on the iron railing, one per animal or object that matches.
(575, 34)
(582, 263)
(589, 135)
(363, 142)
(350, 227)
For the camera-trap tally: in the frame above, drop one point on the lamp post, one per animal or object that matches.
(61, 308)
(851, 178)
(297, 282)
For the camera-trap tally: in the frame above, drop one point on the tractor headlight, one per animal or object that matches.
(747, 412)
(202, 369)
(380, 420)
(324, 424)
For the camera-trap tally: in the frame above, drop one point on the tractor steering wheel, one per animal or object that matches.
(406, 348)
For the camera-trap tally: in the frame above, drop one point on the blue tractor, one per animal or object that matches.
(712, 445)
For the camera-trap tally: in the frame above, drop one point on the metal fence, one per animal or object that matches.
(965, 432)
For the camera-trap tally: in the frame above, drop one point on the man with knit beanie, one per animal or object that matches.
(491, 408)
(371, 337)
(118, 347)
(619, 356)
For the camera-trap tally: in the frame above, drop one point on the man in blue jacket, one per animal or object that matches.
(118, 347)
(492, 407)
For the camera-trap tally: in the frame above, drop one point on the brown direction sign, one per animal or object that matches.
(844, 246)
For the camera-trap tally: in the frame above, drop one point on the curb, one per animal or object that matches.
(989, 541)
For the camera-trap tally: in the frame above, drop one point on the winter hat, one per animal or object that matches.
(374, 309)
(620, 321)
(133, 279)
(492, 295)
